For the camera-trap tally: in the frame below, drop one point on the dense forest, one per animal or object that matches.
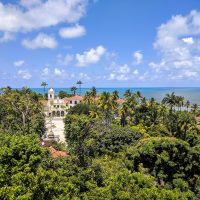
(134, 148)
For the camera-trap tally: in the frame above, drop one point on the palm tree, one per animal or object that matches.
(138, 96)
(73, 89)
(187, 104)
(123, 112)
(93, 93)
(153, 111)
(87, 98)
(194, 108)
(170, 100)
(79, 83)
(127, 93)
(162, 111)
(185, 123)
(44, 84)
(180, 101)
(6, 89)
(105, 105)
(115, 95)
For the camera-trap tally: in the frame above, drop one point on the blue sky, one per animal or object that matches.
(104, 43)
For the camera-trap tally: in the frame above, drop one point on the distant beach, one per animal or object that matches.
(189, 93)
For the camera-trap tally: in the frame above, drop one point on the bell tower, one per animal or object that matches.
(51, 94)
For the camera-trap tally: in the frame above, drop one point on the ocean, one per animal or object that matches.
(189, 93)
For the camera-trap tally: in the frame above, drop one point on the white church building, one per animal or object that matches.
(56, 107)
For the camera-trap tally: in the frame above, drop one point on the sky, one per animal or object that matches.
(103, 43)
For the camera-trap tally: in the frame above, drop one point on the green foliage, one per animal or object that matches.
(20, 110)
(167, 159)
(111, 140)
(76, 132)
(126, 186)
(79, 109)
(119, 150)
(87, 137)
(28, 171)
(62, 94)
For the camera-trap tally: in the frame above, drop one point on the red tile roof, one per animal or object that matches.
(56, 154)
(120, 101)
(76, 97)
(43, 102)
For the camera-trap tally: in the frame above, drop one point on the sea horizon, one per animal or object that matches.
(191, 94)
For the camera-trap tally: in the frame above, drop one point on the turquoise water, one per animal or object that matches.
(191, 94)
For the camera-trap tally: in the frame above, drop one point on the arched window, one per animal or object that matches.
(54, 113)
(58, 113)
(62, 113)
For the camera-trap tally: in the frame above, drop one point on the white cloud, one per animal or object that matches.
(179, 45)
(26, 17)
(65, 60)
(58, 72)
(24, 74)
(188, 40)
(91, 56)
(123, 69)
(45, 72)
(118, 77)
(41, 41)
(138, 57)
(121, 72)
(19, 63)
(72, 32)
(135, 72)
(6, 37)
(83, 76)
(184, 74)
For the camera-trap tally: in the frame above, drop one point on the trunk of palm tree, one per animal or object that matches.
(44, 92)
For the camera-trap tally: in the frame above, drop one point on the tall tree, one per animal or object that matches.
(194, 109)
(44, 84)
(127, 93)
(79, 83)
(170, 100)
(105, 105)
(179, 102)
(123, 112)
(73, 89)
(20, 110)
(115, 95)
(187, 104)
(87, 98)
(93, 93)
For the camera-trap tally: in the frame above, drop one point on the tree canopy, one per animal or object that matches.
(135, 148)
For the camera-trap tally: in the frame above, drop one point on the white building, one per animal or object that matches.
(57, 107)
(72, 101)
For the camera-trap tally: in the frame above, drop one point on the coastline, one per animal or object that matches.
(189, 93)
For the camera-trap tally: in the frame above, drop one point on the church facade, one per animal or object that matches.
(56, 107)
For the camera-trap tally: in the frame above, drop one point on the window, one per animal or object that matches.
(54, 113)
(70, 102)
(57, 106)
(75, 102)
(54, 106)
(58, 114)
